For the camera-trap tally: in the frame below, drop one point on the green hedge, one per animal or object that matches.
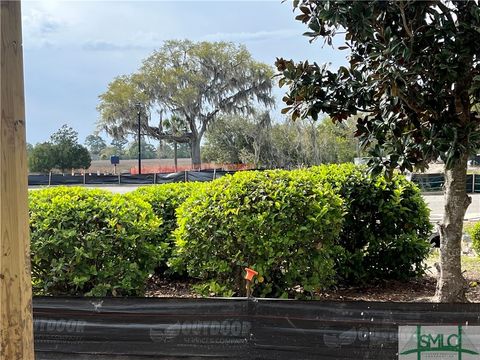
(303, 230)
(474, 231)
(386, 225)
(271, 221)
(281, 225)
(165, 199)
(92, 242)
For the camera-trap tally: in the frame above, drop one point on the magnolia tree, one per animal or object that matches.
(413, 83)
(193, 82)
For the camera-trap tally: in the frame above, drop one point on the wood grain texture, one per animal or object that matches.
(16, 331)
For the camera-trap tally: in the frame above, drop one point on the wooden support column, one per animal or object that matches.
(16, 330)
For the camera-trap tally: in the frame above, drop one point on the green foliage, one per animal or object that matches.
(303, 230)
(212, 288)
(110, 151)
(292, 228)
(117, 148)
(41, 158)
(227, 139)
(474, 232)
(74, 157)
(119, 145)
(95, 145)
(62, 152)
(412, 77)
(240, 139)
(193, 82)
(335, 143)
(148, 150)
(386, 225)
(67, 152)
(282, 225)
(177, 128)
(92, 242)
(64, 135)
(167, 151)
(165, 199)
(306, 143)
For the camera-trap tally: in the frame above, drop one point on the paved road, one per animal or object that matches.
(435, 202)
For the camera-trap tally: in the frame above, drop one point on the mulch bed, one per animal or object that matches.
(417, 290)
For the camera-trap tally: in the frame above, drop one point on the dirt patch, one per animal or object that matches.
(419, 290)
(162, 287)
(416, 290)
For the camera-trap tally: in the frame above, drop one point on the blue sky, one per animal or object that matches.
(73, 49)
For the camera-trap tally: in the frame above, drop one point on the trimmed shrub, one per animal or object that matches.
(165, 199)
(474, 231)
(92, 242)
(386, 227)
(281, 225)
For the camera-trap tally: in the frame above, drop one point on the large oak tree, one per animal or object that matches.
(194, 82)
(413, 80)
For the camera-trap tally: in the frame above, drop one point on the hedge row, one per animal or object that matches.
(282, 225)
(386, 224)
(92, 242)
(302, 230)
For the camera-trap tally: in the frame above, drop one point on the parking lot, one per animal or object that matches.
(435, 203)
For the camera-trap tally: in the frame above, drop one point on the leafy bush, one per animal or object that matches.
(165, 199)
(281, 225)
(92, 242)
(386, 227)
(474, 231)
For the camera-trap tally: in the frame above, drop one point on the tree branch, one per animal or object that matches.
(160, 135)
(410, 104)
(401, 6)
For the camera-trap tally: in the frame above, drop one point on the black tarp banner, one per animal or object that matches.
(133, 328)
(200, 175)
(38, 180)
(101, 179)
(170, 178)
(59, 179)
(143, 179)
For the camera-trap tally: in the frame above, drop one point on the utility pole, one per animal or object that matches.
(16, 330)
(139, 113)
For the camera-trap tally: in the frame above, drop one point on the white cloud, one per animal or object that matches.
(101, 45)
(251, 36)
(42, 26)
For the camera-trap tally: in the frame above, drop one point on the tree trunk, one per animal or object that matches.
(316, 160)
(175, 155)
(451, 284)
(161, 149)
(16, 329)
(196, 159)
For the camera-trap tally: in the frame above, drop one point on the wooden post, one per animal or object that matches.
(16, 330)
